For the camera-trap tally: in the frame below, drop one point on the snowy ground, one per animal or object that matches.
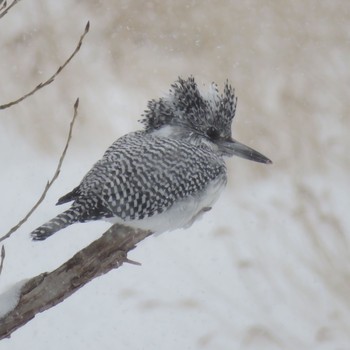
(269, 266)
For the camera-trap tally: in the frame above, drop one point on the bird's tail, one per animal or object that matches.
(59, 222)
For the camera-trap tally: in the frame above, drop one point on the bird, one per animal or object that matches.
(166, 175)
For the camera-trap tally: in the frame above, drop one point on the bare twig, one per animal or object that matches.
(4, 8)
(48, 289)
(2, 258)
(52, 78)
(3, 5)
(49, 183)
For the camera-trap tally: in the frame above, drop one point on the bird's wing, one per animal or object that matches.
(142, 175)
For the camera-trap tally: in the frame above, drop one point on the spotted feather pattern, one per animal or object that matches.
(141, 175)
(186, 107)
(147, 173)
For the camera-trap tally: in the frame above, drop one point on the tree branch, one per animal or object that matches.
(3, 254)
(4, 8)
(53, 179)
(52, 78)
(48, 289)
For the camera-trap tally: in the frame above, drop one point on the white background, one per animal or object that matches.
(269, 266)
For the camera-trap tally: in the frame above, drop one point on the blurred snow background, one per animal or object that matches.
(269, 266)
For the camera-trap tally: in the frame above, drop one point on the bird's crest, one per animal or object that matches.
(186, 107)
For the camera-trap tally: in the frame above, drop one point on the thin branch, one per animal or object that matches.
(53, 179)
(48, 289)
(52, 78)
(3, 6)
(6, 8)
(2, 258)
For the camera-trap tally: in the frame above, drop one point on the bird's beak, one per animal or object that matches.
(234, 148)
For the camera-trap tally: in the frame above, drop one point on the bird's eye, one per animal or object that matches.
(213, 133)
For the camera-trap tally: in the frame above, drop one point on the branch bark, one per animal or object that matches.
(48, 289)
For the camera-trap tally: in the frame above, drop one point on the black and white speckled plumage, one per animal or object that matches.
(165, 176)
(187, 108)
(141, 175)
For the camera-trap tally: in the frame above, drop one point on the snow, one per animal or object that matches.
(9, 297)
(268, 266)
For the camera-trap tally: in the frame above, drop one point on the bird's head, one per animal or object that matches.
(203, 120)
